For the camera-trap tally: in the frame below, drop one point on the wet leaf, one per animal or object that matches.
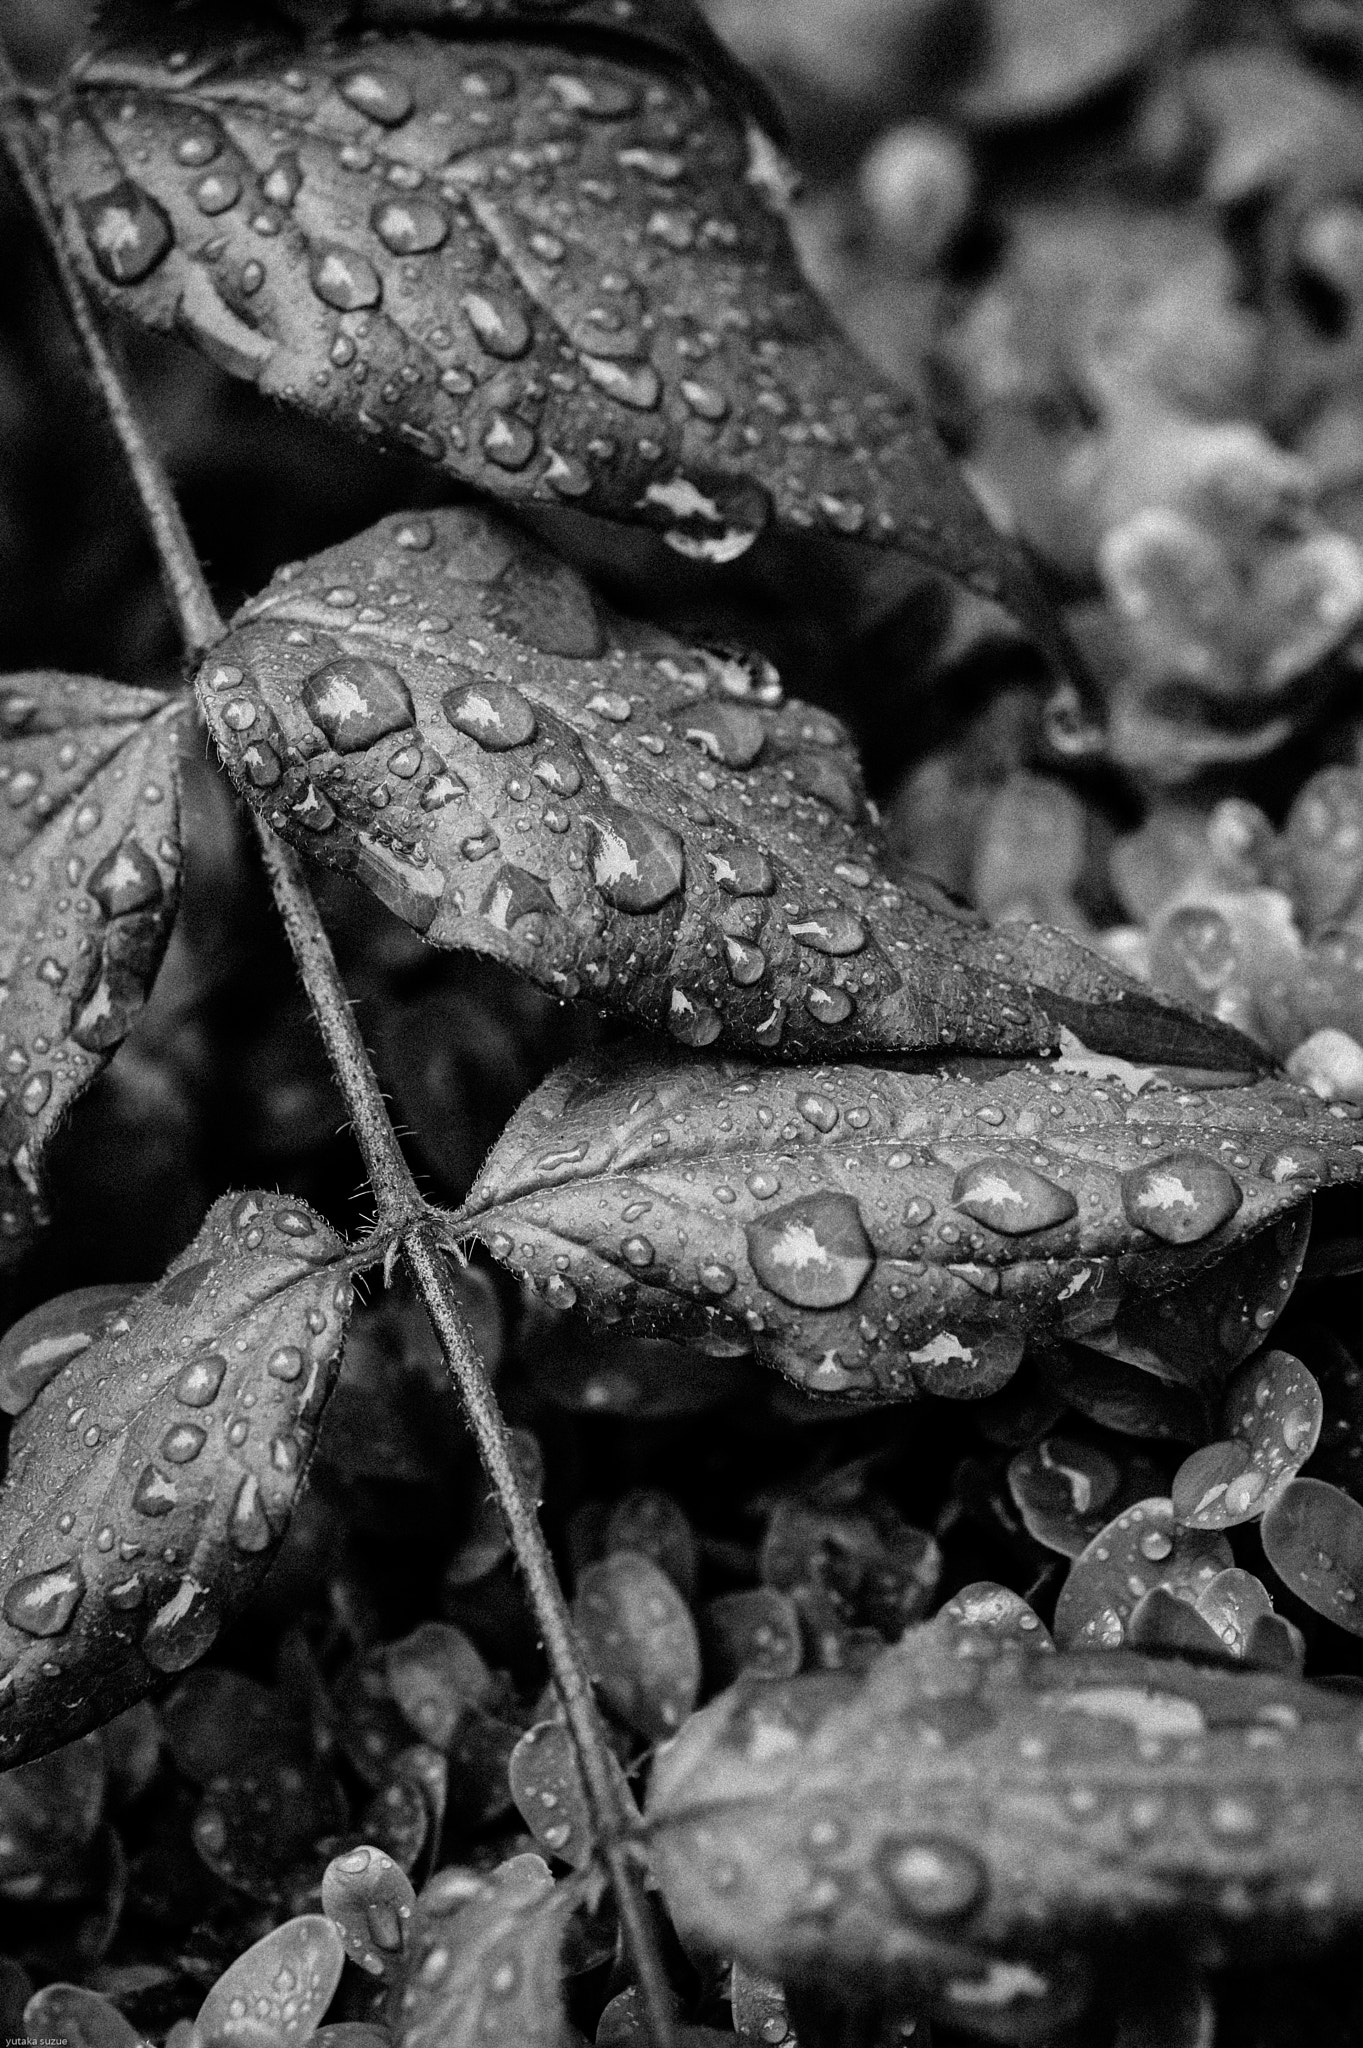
(218, 1720)
(1068, 1486)
(150, 1482)
(878, 1232)
(435, 1674)
(1313, 1538)
(557, 269)
(1195, 1336)
(650, 1522)
(279, 1990)
(966, 1823)
(640, 1642)
(80, 2018)
(1123, 1397)
(372, 1902)
(1163, 1625)
(1272, 1416)
(482, 1969)
(90, 844)
(547, 1787)
(1141, 1548)
(755, 1631)
(264, 1827)
(34, 1350)
(999, 1613)
(446, 711)
(50, 1810)
(1232, 1603)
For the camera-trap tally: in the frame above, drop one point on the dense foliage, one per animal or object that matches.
(801, 919)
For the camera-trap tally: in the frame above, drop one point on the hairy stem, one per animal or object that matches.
(404, 1216)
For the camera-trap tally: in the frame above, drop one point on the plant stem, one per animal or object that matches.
(403, 1213)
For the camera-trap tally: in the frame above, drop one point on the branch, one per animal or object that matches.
(404, 1218)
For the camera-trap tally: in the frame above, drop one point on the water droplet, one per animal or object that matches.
(729, 733)
(198, 146)
(42, 1603)
(154, 1493)
(355, 702)
(197, 1382)
(126, 879)
(344, 279)
(1181, 1197)
(247, 1526)
(742, 871)
(633, 384)
(182, 1443)
(691, 1020)
(380, 94)
(819, 1110)
(814, 1253)
(637, 862)
(508, 442)
(410, 227)
(498, 323)
(129, 232)
(835, 932)
(747, 964)
(1156, 1545)
(283, 181)
(931, 1877)
(492, 713)
(35, 1093)
(828, 1005)
(1011, 1198)
(183, 1628)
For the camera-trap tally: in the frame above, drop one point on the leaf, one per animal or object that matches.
(482, 1969)
(151, 1481)
(558, 270)
(639, 1641)
(1313, 1538)
(964, 1826)
(1140, 1549)
(90, 845)
(999, 1613)
(265, 1826)
(756, 1630)
(445, 710)
(1272, 1416)
(77, 2017)
(371, 1902)
(34, 1350)
(1067, 1486)
(279, 1990)
(880, 1232)
(546, 1785)
(435, 1675)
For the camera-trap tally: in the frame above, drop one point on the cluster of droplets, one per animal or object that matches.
(549, 270)
(679, 785)
(869, 1204)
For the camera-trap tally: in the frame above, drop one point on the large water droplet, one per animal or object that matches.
(246, 1525)
(828, 1005)
(508, 441)
(747, 964)
(345, 280)
(356, 702)
(126, 879)
(183, 1627)
(726, 732)
(410, 227)
(691, 1020)
(742, 871)
(380, 94)
(931, 1877)
(498, 323)
(492, 713)
(129, 232)
(637, 862)
(813, 1253)
(1180, 1198)
(42, 1603)
(633, 384)
(836, 932)
(197, 1382)
(1011, 1198)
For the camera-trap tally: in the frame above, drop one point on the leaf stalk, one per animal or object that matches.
(404, 1217)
